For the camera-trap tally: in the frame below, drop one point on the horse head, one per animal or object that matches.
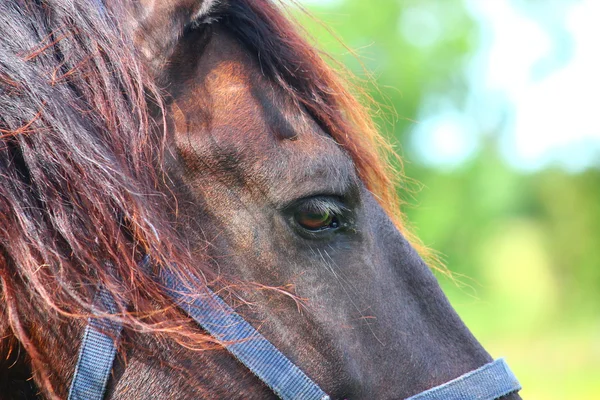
(278, 196)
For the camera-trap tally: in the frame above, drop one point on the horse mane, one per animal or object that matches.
(80, 199)
(84, 195)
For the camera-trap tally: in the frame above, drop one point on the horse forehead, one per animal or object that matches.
(309, 162)
(263, 132)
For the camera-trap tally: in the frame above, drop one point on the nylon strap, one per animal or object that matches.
(488, 382)
(243, 341)
(97, 351)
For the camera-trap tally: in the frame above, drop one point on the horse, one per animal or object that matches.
(209, 137)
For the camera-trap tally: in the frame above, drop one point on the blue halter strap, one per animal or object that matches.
(244, 342)
(97, 351)
(101, 336)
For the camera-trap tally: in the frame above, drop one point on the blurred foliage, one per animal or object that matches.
(524, 247)
(404, 72)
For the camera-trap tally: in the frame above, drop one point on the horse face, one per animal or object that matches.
(279, 203)
(275, 204)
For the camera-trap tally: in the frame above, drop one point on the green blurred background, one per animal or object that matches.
(493, 105)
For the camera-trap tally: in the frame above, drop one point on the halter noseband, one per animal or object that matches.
(99, 347)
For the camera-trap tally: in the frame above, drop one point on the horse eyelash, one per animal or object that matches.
(323, 205)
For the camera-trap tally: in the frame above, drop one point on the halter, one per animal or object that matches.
(101, 336)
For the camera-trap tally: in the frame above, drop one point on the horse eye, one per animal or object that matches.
(316, 221)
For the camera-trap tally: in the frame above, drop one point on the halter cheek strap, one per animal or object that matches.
(97, 351)
(243, 341)
(100, 340)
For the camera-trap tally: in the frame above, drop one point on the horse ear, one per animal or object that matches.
(158, 25)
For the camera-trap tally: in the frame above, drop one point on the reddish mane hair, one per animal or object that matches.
(84, 194)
